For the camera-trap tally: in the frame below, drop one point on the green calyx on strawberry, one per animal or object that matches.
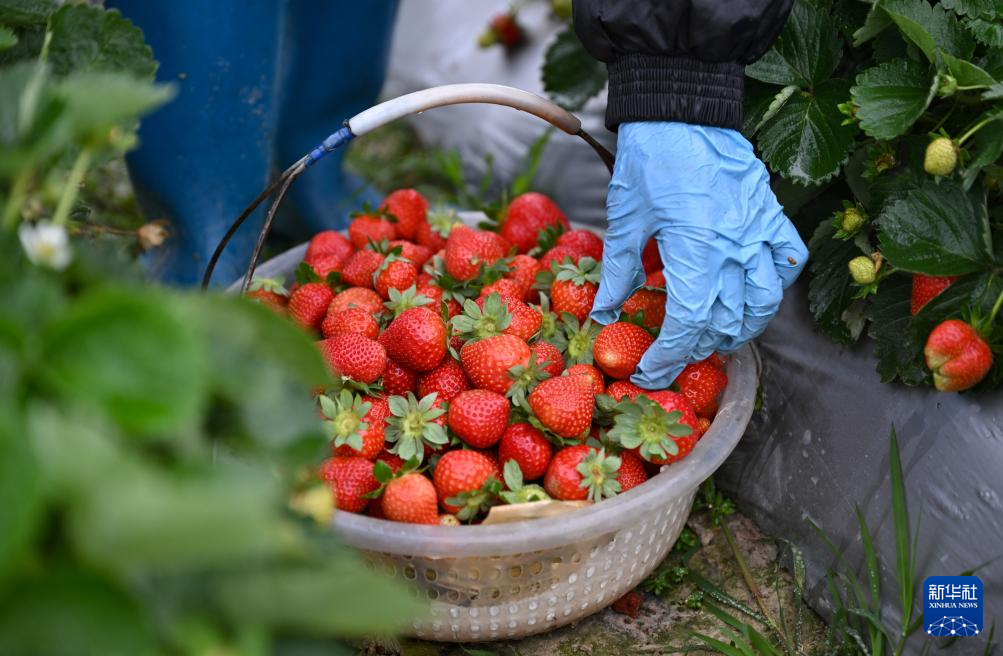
(547, 239)
(518, 491)
(586, 270)
(524, 379)
(474, 502)
(411, 425)
(550, 325)
(576, 340)
(599, 475)
(305, 274)
(849, 221)
(476, 323)
(270, 285)
(383, 474)
(344, 417)
(442, 220)
(460, 290)
(369, 211)
(405, 300)
(645, 424)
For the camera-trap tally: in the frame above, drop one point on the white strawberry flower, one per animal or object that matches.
(46, 244)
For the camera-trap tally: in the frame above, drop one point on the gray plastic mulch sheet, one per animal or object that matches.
(820, 446)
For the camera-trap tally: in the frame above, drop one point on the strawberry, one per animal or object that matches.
(357, 297)
(367, 228)
(416, 339)
(589, 376)
(503, 29)
(478, 417)
(957, 355)
(577, 341)
(651, 303)
(655, 279)
(410, 498)
(522, 269)
(926, 288)
(353, 320)
(581, 472)
(526, 216)
(651, 259)
(359, 268)
(308, 304)
(526, 320)
(563, 405)
(557, 255)
(414, 253)
(410, 209)
(703, 425)
(391, 460)
(468, 249)
(619, 347)
(269, 292)
(507, 288)
(466, 482)
(446, 519)
(631, 472)
(548, 358)
(480, 319)
(447, 380)
(717, 361)
(661, 426)
(620, 389)
(574, 288)
(416, 424)
(526, 446)
(325, 263)
(328, 241)
(354, 356)
(487, 362)
(351, 478)
(702, 384)
(398, 380)
(585, 242)
(354, 424)
(394, 273)
(435, 230)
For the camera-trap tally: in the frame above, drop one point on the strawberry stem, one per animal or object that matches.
(996, 309)
(978, 126)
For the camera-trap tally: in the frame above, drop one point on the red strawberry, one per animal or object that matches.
(655, 279)
(557, 255)
(926, 288)
(325, 263)
(507, 288)
(433, 233)
(590, 376)
(703, 425)
(370, 228)
(397, 380)
(651, 260)
(661, 426)
(717, 361)
(487, 362)
(547, 353)
(392, 460)
(328, 241)
(356, 425)
(585, 242)
(410, 498)
(528, 447)
(581, 472)
(620, 389)
(574, 288)
(957, 355)
(619, 347)
(522, 269)
(467, 249)
(447, 380)
(394, 274)
(631, 472)
(414, 253)
(526, 320)
(478, 417)
(416, 339)
(651, 303)
(358, 270)
(269, 292)
(353, 320)
(308, 304)
(702, 383)
(354, 356)
(502, 29)
(563, 405)
(527, 216)
(357, 297)
(409, 208)
(350, 478)
(466, 482)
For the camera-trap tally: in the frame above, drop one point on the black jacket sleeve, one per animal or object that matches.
(678, 60)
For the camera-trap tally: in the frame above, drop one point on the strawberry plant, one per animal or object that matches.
(882, 124)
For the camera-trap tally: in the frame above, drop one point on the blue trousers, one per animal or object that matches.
(260, 83)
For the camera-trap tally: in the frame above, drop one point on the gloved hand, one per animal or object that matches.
(727, 247)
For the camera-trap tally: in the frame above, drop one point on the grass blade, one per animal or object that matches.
(718, 646)
(903, 556)
(722, 597)
(874, 581)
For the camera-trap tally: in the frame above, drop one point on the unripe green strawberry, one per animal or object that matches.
(863, 270)
(941, 157)
(853, 220)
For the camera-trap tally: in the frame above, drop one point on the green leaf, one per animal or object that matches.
(805, 54)
(7, 38)
(974, 8)
(98, 101)
(829, 290)
(929, 27)
(877, 21)
(900, 515)
(891, 96)
(986, 149)
(936, 230)
(88, 38)
(21, 505)
(966, 73)
(806, 141)
(988, 33)
(571, 76)
(24, 13)
(131, 356)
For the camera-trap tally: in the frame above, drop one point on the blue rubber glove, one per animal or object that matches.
(727, 247)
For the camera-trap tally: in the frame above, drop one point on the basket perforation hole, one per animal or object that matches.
(409, 572)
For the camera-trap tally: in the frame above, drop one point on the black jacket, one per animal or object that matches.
(678, 60)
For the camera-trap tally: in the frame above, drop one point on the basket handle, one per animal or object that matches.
(387, 112)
